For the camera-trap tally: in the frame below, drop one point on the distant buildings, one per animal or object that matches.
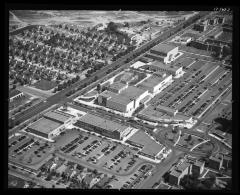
(201, 27)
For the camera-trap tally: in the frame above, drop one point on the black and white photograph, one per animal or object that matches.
(120, 99)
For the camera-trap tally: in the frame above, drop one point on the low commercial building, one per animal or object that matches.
(167, 110)
(198, 167)
(177, 174)
(165, 52)
(14, 94)
(154, 83)
(215, 162)
(45, 128)
(51, 124)
(103, 126)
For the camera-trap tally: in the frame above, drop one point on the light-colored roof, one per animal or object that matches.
(120, 99)
(164, 48)
(102, 123)
(44, 125)
(58, 115)
(132, 92)
(175, 173)
(149, 146)
(182, 167)
(152, 81)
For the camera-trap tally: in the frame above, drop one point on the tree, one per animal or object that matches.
(99, 88)
(112, 27)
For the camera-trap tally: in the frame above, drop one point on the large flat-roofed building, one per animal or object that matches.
(127, 100)
(154, 83)
(158, 66)
(51, 124)
(167, 110)
(165, 51)
(149, 148)
(14, 94)
(45, 128)
(59, 116)
(117, 87)
(103, 126)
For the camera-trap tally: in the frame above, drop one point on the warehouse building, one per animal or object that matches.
(154, 83)
(14, 94)
(51, 124)
(103, 126)
(165, 52)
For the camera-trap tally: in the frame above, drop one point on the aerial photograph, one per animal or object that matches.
(120, 99)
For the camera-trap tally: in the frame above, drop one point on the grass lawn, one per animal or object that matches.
(45, 85)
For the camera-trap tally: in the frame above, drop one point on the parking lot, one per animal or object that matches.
(196, 90)
(28, 150)
(96, 150)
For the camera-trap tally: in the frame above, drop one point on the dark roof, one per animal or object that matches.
(13, 93)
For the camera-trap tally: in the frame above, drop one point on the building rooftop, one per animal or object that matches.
(158, 64)
(102, 123)
(132, 92)
(45, 125)
(175, 173)
(182, 167)
(107, 94)
(13, 93)
(58, 115)
(152, 81)
(199, 163)
(117, 86)
(120, 99)
(150, 146)
(164, 48)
